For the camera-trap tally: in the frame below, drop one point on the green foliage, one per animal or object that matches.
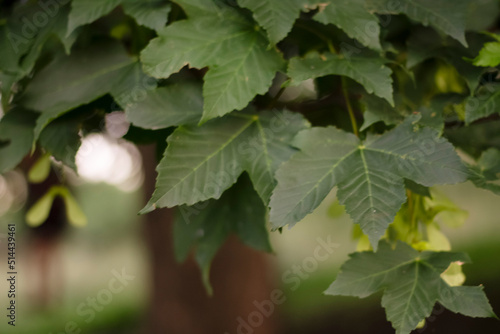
(353, 17)
(180, 103)
(241, 65)
(61, 139)
(78, 79)
(208, 224)
(368, 71)
(85, 12)
(276, 16)
(485, 172)
(484, 103)
(425, 43)
(369, 175)
(219, 152)
(447, 16)
(411, 282)
(243, 144)
(377, 109)
(489, 54)
(16, 137)
(149, 13)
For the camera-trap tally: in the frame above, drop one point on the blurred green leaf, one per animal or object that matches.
(78, 79)
(62, 140)
(207, 225)
(16, 133)
(425, 43)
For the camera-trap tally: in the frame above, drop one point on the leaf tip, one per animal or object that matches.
(147, 209)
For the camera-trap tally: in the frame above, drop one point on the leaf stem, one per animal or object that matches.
(331, 47)
(276, 98)
(413, 208)
(354, 123)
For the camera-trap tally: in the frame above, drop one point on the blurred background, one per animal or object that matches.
(101, 278)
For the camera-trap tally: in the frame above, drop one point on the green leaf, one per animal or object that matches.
(87, 11)
(483, 104)
(149, 13)
(16, 137)
(411, 283)
(208, 224)
(485, 173)
(352, 17)
(11, 48)
(276, 16)
(425, 43)
(370, 175)
(21, 45)
(200, 7)
(377, 109)
(489, 56)
(241, 63)
(77, 79)
(131, 84)
(483, 182)
(434, 114)
(201, 162)
(482, 15)
(417, 188)
(62, 140)
(448, 16)
(490, 161)
(476, 137)
(173, 105)
(370, 72)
